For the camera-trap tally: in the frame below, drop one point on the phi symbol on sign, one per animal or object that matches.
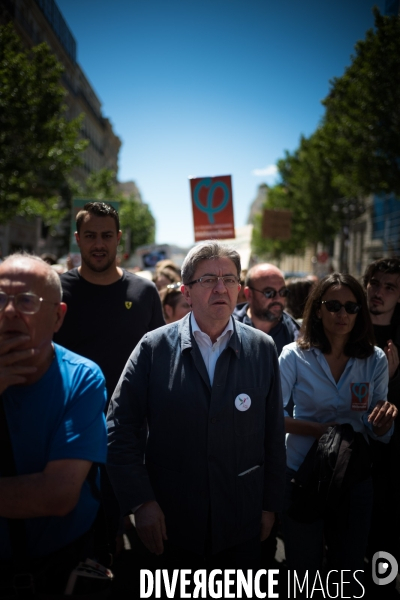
(209, 209)
(360, 390)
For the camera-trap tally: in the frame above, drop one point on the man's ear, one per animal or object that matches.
(60, 314)
(77, 239)
(185, 289)
(119, 236)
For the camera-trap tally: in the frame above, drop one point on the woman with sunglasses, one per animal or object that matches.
(334, 374)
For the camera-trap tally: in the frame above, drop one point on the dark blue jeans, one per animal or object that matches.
(304, 542)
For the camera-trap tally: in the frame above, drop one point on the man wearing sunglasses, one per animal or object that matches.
(382, 283)
(51, 411)
(266, 293)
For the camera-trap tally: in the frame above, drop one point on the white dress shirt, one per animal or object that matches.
(209, 351)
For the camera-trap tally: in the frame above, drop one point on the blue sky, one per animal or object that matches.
(211, 87)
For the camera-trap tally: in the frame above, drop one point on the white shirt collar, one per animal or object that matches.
(196, 328)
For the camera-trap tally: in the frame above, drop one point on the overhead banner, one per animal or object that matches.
(276, 224)
(212, 207)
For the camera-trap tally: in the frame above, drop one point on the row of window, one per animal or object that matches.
(59, 26)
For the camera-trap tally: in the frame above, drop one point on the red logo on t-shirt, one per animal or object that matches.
(359, 396)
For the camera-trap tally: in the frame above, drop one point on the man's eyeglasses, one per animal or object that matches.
(270, 293)
(26, 303)
(208, 281)
(334, 306)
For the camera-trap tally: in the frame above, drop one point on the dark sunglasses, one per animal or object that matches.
(271, 293)
(333, 306)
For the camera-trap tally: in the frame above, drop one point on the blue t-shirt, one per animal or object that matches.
(58, 417)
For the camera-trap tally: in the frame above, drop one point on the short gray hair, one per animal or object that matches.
(208, 250)
(52, 279)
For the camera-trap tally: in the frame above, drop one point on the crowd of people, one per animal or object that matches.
(214, 412)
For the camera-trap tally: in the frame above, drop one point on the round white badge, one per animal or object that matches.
(243, 402)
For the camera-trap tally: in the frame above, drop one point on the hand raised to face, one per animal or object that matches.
(12, 358)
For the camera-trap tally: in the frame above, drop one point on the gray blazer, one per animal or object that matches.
(200, 445)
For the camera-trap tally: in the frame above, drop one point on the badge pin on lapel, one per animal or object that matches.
(128, 305)
(243, 402)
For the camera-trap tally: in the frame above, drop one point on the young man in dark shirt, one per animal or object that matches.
(109, 309)
(382, 284)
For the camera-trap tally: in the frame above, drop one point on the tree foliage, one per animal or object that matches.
(307, 191)
(136, 218)
(362, 118)
(355, 150)
(38, 146)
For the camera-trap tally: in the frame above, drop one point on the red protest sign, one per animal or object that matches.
(212, 207)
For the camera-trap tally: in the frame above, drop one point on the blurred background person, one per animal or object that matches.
(173, 303)
(298, 290)
(166, 272)
(49, 258)
(241, 296)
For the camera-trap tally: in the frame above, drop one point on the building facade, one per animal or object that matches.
(39, 21)
(373, 235)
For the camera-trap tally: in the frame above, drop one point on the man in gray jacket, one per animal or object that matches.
(215, 460)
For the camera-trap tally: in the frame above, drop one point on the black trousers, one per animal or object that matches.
(243, 556)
